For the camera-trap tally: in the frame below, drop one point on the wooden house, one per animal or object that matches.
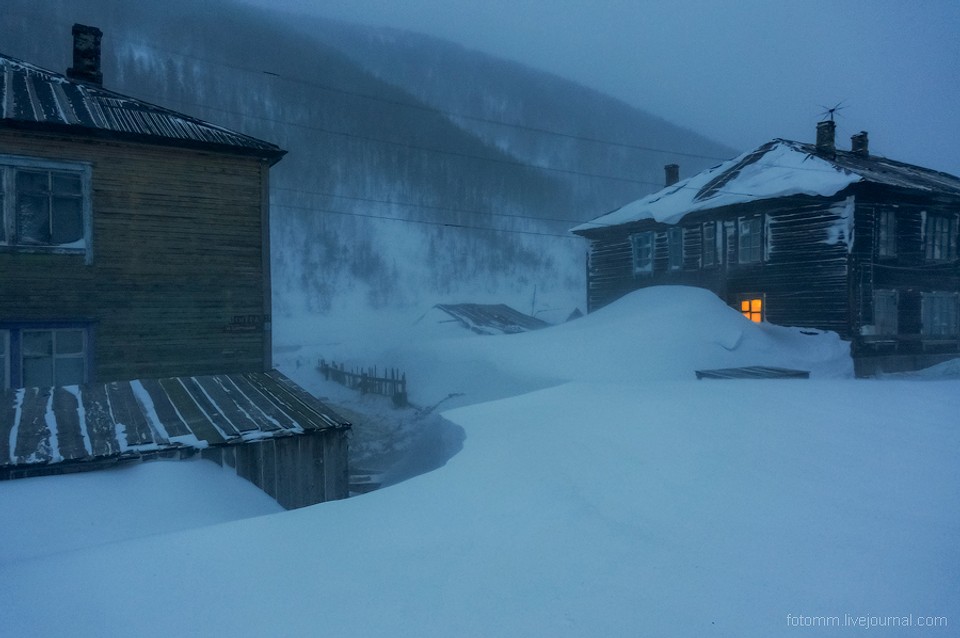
(802, 235)
(134, 245)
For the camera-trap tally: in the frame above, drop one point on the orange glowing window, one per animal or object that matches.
(752, 309)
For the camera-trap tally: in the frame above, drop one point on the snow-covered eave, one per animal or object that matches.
(780, 168)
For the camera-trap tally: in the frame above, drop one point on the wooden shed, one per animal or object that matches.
(802, 235)
(261, 424)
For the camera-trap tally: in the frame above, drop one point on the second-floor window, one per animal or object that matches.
(887, 233)
(44, 205)
(940, 242)
(939, 314)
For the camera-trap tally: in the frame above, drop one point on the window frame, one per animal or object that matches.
(711, 242)
(878, 329)
(15, 359)
(750, 299)
(940, 237)
(675, 254)
(642, 266)
(931, 302)
(4, 358)
(10, 167)
(887, 233)
(754, 252)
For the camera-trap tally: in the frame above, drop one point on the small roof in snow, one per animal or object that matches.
(491, 319)
(779, 168)
(33, 97)
(120, 420)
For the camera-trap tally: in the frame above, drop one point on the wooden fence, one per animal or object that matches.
(393, 384)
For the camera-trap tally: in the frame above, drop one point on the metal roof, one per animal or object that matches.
(491, 319)
(73, 425)
(33, 97)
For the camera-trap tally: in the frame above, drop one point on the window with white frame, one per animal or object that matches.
(885, 312)
(675, 247)
(750, 240)
(887, 233)
(709, 251)
(940, 241)
(45, 205)
(642, 248)
(939, 313)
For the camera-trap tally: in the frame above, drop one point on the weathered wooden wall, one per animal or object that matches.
(296, 471)
(178, 257)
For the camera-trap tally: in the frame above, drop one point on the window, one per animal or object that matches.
(941, 238)
(709, 253)
(939, 314)
(887, 233)
(642, 245)
(45, 205)
(675, 245)
(39, 356)
(885, 312)
(750, 240)
(752, 307)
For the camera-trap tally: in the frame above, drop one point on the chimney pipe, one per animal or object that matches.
(825, 137)
(859, 145)
(672, 174)
(86, 55)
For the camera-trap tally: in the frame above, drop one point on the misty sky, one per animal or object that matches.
(741, 72)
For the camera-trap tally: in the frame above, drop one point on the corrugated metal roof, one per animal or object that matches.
(37, 98)
(490, 319)
(130, 419)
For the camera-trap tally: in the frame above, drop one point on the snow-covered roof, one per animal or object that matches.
(128, 419)
(31, 97)
(780, 168)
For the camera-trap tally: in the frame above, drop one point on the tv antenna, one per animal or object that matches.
(830, 112)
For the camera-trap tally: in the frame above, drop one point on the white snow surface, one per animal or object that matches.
(606, 492)
(785, 169)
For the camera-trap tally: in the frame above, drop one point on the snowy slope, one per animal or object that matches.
(624, 498)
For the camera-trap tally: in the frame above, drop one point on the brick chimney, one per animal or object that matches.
(86, 55)
(859, 144)
(672, 174)
(826, 131)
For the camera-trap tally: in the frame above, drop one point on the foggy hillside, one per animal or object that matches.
(384, 199)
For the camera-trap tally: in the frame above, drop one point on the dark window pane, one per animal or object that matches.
(37, 343)
(38, 372)
(33, 182)
(67, 220)
(66, 184)
(69, 371)
(69, 341)
(33, 220)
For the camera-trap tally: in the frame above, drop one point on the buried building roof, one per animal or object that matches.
(72, 428)
(491, 319)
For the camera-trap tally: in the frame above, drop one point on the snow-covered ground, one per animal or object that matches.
(591, 487)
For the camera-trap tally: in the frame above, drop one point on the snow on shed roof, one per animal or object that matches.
(33, 97)
(779, 168)
(127, 419)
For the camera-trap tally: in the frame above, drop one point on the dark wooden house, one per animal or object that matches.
(802, 235)
(134, 245)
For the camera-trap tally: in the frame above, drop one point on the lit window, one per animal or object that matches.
(941, 238)
(675, 245)
(642, 247)
(885, 312)
(939, 314)
(752, 309)
(750, 240)
(709, 257)
(887, 233)
(44, 205)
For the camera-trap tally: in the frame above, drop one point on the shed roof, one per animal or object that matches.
(34, 98)
(127, 419)
(490, 319)
(780, 168)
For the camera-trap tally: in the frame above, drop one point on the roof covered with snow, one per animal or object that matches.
(127, 419)
(33, 97)
(491, 319)
(780, 168)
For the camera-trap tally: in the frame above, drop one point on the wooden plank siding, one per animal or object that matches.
(178, 252)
